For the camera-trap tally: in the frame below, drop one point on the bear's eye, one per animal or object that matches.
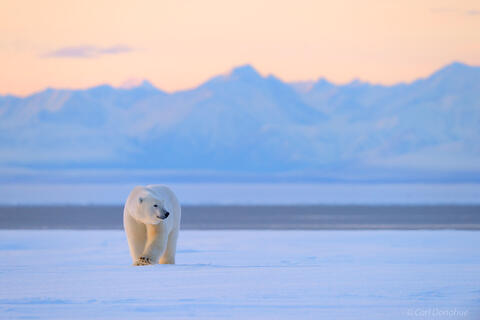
(155, 205)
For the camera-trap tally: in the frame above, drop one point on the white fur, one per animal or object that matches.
(152, 240)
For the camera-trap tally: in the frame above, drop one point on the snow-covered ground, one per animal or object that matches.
(243, 275)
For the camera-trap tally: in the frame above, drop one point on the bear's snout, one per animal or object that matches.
(164, 215)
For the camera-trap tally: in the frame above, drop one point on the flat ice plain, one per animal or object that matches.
(56, 274)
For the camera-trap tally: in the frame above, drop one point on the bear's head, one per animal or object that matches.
(151, 210)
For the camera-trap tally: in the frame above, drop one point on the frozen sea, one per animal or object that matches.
(243, 274)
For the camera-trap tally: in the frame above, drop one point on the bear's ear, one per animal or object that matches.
(140, 200)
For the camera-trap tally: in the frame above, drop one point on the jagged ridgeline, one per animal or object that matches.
(243, 123)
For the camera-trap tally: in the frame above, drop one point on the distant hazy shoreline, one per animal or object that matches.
(308, 217)
(290, 194)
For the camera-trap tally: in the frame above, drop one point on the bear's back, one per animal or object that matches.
(160, 191)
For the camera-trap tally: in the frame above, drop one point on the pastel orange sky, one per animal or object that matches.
(179, 44)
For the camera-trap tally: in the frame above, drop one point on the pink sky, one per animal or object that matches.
(179, 44)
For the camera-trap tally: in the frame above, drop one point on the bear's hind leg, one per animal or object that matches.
(169, 256)
(136, 236)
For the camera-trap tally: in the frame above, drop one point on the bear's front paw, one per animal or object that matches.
(143, 261)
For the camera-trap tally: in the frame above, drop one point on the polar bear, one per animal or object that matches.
(151, 219)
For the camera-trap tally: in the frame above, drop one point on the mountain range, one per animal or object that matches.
(242, 126)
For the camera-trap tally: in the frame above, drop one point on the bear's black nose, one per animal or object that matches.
(167, 214)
